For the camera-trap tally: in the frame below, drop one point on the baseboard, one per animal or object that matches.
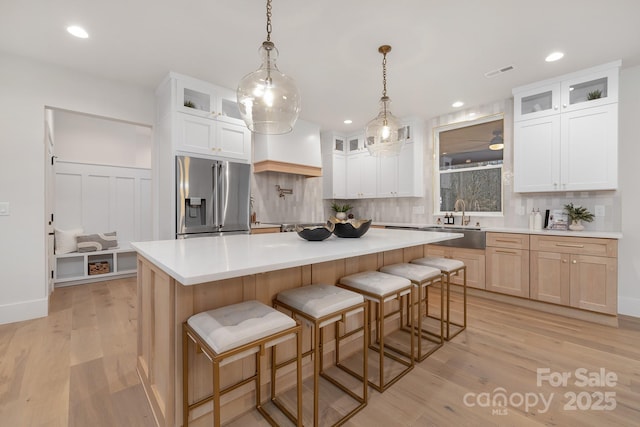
(629, 306)
(24, 310)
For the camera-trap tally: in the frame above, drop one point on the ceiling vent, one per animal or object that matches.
(494, 73)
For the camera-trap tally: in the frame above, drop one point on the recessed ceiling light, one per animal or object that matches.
(468, 161)
(348, 122)
(457, 104)
(77, 31)
(554, 56)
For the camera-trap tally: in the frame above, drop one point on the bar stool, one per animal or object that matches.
(321, 305)
(379, 288)
(449, 267)
(422, 276)
(234, 332)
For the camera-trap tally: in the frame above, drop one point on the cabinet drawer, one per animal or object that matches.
(508, 240)
(575, 245)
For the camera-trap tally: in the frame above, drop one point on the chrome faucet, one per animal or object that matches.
(456, 207)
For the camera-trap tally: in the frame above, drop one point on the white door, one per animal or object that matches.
(50, 176)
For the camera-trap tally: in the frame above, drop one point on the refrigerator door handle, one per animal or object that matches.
(216, 179)
(221, 201)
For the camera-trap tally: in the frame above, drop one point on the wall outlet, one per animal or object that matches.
(599, 210)
(418, 210)
(4, 208)
(520, 210)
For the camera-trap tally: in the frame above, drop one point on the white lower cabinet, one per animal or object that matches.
(77, 268)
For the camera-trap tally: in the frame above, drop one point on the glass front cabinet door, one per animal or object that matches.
(539, 102)
(589, 91)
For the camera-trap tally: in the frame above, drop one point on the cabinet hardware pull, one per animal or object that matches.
(506, 241)
(569, 245)
(506, 252)
(574, 261)
(564, 261)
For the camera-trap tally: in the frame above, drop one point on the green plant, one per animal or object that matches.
(576, 213)
(594, 94)
(341, 208)
(189, 104)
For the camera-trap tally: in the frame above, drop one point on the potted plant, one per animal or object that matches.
(341, 210)
(576, 215)
(595, 94)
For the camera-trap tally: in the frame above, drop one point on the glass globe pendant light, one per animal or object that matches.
(381, 133)
(268, 100)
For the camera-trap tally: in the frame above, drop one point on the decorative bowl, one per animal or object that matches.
(351, 227)
(314, 232)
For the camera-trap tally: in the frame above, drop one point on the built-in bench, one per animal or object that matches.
(76, 267)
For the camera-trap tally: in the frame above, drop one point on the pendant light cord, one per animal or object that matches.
(268, 20)
(384, 74)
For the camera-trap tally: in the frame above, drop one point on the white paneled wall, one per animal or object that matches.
(100, 198)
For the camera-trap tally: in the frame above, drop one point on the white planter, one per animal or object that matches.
(576, 225)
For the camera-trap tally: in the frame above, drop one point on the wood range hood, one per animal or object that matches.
(297, 152)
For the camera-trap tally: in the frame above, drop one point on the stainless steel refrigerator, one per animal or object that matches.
(212, 197)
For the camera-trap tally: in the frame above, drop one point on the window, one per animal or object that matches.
(469, 160)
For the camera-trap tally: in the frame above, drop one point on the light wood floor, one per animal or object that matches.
(77, 368)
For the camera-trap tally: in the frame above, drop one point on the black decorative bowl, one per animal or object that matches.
(351, 227)
(314, 232)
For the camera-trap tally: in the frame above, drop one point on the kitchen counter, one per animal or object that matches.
(206, 259)
(569, 233)
(178, 278)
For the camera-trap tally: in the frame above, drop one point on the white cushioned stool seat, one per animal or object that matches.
(319, 300)
(230, 333)
(414, 272)
(231, 326)
(376, 283)
(444, 264)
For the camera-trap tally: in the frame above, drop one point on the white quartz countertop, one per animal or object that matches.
(566, 233)
(205, 259)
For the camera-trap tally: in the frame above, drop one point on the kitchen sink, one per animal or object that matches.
(474, 237)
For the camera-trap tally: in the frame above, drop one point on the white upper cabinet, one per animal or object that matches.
(205, 119)
(538, 102)
(590, 88)
(355, 144)
(334, 165)
(361, 175)
(566, 132)
(349, 172)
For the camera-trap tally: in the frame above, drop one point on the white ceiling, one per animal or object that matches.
(441, 49)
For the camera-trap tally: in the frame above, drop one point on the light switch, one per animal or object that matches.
(599, 210)
(4, 208)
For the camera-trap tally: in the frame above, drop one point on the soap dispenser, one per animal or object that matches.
(532, 216)
(537, 221)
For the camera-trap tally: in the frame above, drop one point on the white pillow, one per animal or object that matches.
(66, 240)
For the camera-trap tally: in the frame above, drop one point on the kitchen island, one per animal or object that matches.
(177, 278)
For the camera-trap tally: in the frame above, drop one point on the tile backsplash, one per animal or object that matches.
(306, 204)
